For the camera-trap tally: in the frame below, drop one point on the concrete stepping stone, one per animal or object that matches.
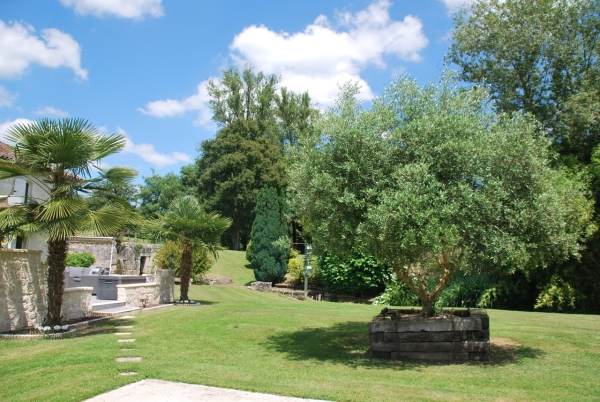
(126, 317)
(128, 359)
(125, 349)
(128, 373)
(124, 327)
(126, 340)
(122, 333)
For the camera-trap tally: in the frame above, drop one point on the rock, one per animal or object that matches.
(261, 286)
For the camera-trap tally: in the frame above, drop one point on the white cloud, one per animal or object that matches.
(51, 112)
(317, 59)
(171, 107)
(6, 98)
(323, 56)
(136, 9)
(455, 5)
(149, 154)
(6, 125)
(20, 46)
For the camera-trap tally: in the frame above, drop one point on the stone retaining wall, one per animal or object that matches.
(100, 247)
(23, 292)
(438, 338)
(23, 289)
(135, 294)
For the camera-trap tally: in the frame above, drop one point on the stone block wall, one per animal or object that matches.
(23, 289)
(135, 293)
(101, 247)
(77, 303)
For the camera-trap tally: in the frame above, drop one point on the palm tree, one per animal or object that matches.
(186, 221)
(61, 156)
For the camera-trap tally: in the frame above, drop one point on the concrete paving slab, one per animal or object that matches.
(126, 340)
(167, 391)
(122, 333)
(128, 359)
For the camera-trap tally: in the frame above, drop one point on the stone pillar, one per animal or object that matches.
(166, 280)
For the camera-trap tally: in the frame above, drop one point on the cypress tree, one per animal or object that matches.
(270, 248)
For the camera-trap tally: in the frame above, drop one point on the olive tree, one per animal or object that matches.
(430, 181)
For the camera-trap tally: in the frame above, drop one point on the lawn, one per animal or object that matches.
(232, 264)
(268, 343)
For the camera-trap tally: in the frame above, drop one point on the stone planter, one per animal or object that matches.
(463, 336)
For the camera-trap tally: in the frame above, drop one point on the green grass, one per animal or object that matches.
(267, 343)
(232, 264)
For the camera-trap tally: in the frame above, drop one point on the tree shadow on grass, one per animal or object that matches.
(248, 266)
(348, 343)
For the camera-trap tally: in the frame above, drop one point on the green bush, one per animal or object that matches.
(397, 293)
(357, 275)
(268, 254)
(296, 270)
(201, 260)
(84, 260)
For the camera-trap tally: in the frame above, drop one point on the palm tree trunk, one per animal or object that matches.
(185, 269)
(57, 254)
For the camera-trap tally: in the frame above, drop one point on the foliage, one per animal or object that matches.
(231, 170)
(430, 181)
(397, 293)
(80, 260)
(357, 274)
(186, 222)
(556, 296)
(270, 237)
(555, 76)
(283, 116)
(296, 271)
(157, 193)
(62, 156)
(201, 259)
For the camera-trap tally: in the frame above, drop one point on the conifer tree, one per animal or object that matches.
(270, 247)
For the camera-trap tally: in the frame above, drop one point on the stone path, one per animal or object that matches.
(126, 359)
(167, 391)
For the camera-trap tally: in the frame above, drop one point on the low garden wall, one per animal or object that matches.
(77, 303)
(449, 337)
(23, 292)
(139, 294)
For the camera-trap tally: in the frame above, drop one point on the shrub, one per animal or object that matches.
(397, 293)
(270, 247)
(84, 260)
(296, 270)
(357, 275)
(201, 260)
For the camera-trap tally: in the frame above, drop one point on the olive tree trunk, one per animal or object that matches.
(415, 276)
(57, 254)
(185, 269)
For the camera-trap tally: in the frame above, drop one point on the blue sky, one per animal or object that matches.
(138, 67)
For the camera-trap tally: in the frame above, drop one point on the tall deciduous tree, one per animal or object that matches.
(158, 192)
(63, 155)
(186, 221)
(431, 181)
(537, 56)
(270, 237)
(542, 57)
(233, 168)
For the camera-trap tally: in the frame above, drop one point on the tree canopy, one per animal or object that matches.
(537, 56)
(431, 181)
